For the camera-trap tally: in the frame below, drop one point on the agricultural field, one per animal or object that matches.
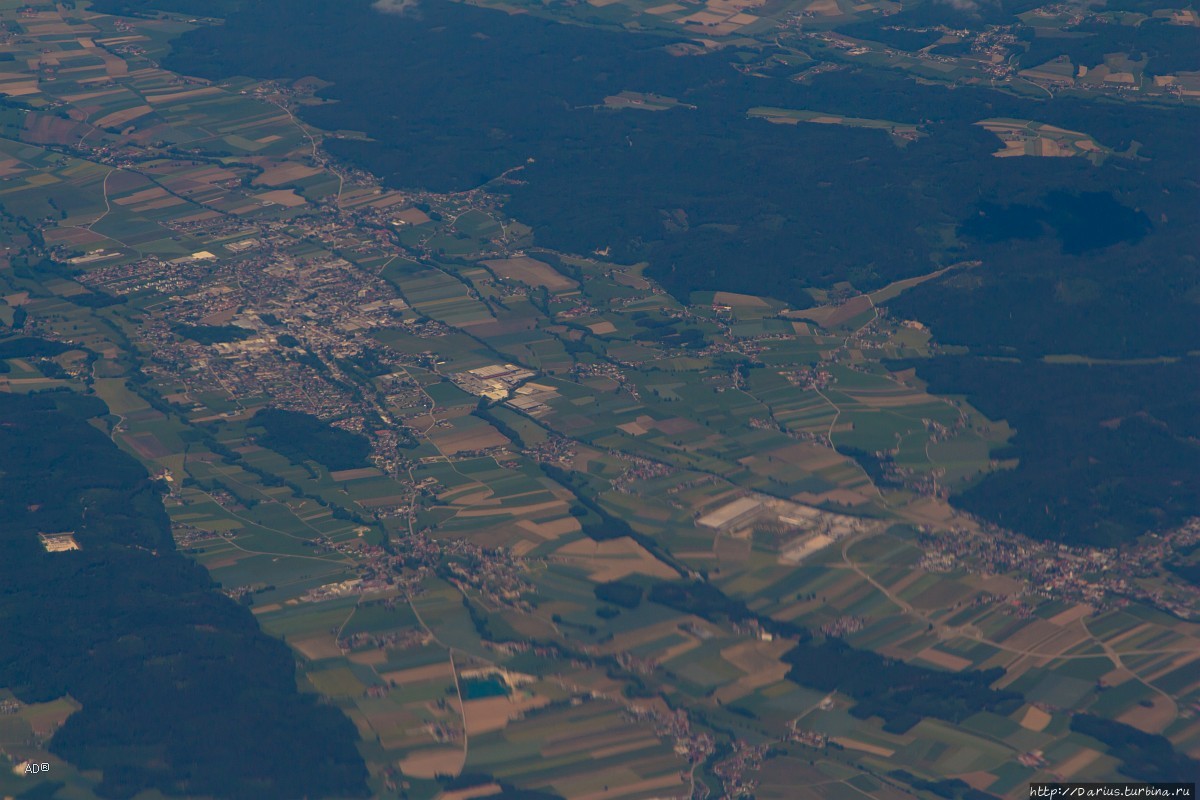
(901, 133)
(1029, 138)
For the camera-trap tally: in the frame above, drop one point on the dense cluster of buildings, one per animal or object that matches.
(495, 381)
(800, 530)
(1100, 577)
